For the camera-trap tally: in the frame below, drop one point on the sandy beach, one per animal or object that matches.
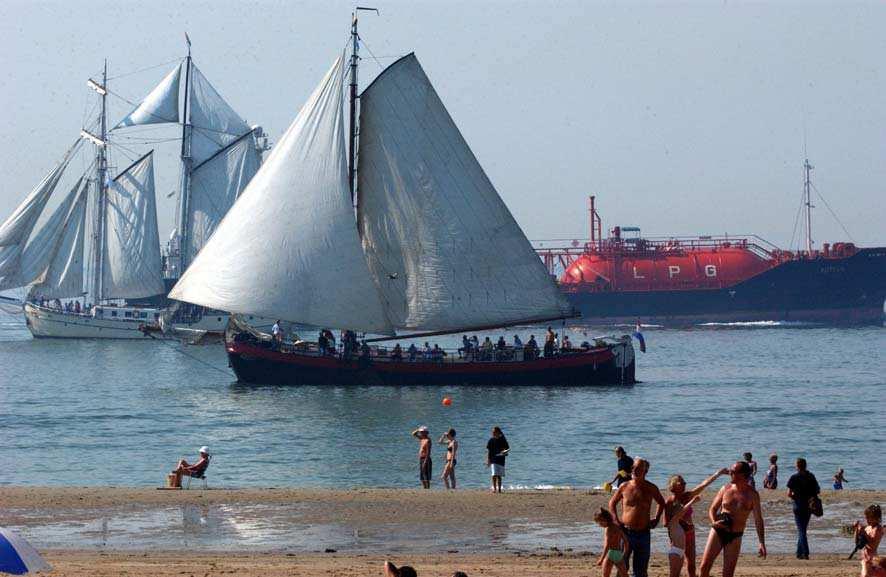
(137, 531)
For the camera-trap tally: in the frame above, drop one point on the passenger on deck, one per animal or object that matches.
(566, 346)
(413, 352)
(277, 333)
(428, 352)
(465, 350)
(77, 307)
(475, 343)
(397, 353)
(550, 339)
(364, 354)
(487, 349)
(531, 348)
(322, 342)
(518, 344)
(437, 354)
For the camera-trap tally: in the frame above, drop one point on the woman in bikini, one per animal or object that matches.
(448, 476)
(615, 545)
(770, 481)
(679, 498)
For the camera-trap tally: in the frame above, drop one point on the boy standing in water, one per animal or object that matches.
(729, 513)
(424, 456)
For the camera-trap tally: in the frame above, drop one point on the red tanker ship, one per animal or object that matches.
(687, 280)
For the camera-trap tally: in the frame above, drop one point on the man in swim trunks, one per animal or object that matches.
(424, 456)
(729, 513)
(636, 498)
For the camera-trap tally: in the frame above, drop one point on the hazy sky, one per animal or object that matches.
(682, 118)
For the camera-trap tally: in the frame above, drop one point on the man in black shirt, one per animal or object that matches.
(496, 450)
(802, 486)
(625, 464)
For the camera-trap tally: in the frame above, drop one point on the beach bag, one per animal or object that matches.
(171, 483)
(815, 506)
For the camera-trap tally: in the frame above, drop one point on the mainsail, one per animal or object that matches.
(160, 105)
(63, 277)
(215, 185)
(289, 248)
(131, 264)
(444, 249)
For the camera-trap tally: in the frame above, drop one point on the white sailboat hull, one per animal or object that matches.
(48, 323)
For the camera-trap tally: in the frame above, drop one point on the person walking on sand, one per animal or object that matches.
(770, 481)
(424, 456)
(624, 466)
(802, 487)
(448, 439)
(729, 513)
(681, 497)
(636, 497)
(615, 545)
(496, 451)
(839, 479)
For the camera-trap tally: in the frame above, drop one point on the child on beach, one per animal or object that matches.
(615, 545)
(770, 481)
(839, 479)
(871, 535)
(749, 459)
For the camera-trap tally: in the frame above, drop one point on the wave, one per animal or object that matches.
(762, 324)
(540, 487)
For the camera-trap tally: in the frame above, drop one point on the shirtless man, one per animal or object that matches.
(424, 456)
(729, 514)
(636, 498)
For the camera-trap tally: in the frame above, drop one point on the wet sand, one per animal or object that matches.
(138, 531)
(149, 564)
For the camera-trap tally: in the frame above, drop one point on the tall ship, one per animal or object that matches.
(95, 268)
(422, 243)
(628, 278)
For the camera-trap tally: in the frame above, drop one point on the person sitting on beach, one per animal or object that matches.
(397, 353)
(870, 535)
(749, 459)
(770, 481)
(636, 497)
(448, 439)
(413, 352)
(683, 536)
(839, 479)
(729, 513)
(392, 570)
(185, 469)
(424, 456)
(615, 545)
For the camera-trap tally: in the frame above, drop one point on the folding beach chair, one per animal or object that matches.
(200, 475)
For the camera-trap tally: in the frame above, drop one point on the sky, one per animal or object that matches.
(681, 117)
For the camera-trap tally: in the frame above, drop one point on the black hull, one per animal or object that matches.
(835, 291)
(259, 365)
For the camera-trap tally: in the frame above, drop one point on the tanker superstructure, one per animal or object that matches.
(691, 280)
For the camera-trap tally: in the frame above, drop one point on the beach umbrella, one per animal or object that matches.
(17, 556)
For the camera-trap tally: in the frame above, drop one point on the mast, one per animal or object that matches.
(101, 188)
(185, 193)
(352, 135)
(807, 191)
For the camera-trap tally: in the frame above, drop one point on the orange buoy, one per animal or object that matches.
(447, 401)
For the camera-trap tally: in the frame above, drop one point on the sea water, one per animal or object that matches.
(91, 412)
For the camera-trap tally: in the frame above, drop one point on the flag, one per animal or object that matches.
(639, 336)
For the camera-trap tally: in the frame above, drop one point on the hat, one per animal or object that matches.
(423, 429)
(204, 450)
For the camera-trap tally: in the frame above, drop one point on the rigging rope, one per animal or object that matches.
(190, 356)
(832, 212)
(145, 69)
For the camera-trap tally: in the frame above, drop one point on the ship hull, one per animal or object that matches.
(257, 363)
(835, 291)
(47, 323)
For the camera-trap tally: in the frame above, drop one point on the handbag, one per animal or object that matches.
(815, 506)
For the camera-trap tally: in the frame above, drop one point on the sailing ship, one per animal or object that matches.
(117, 262)
(420, 239)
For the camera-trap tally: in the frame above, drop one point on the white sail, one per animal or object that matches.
(131, 266)
(215, 185)
(63, 278)
(288, 248)
(214, 124)
(16, 230)
(41, 247)
(444, 249)
(160, 105)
